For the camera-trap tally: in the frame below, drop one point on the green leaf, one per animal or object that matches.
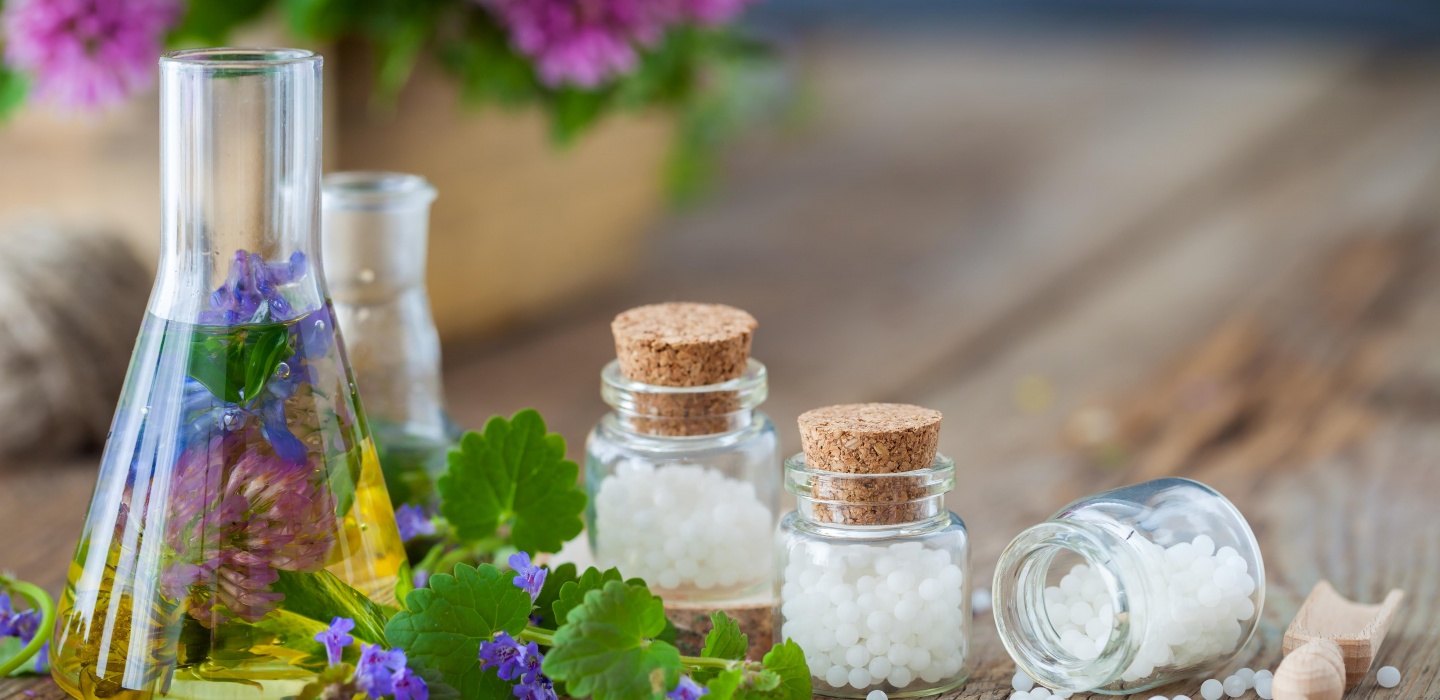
(209, 22)
(513, 473)
(723, 641)
(10, 648)
(550, 593)
(13, 88)
(237, 364)
(572, 595)
(783, 675)
(338, 675)
(321, 596)
(442, 626)
(605, 649)
(573, 111)
(269, 347)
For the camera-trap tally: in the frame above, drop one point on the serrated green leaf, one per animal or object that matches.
(723, 641)
(605, 650)
(442, 626)
(513, 473)
(572, 594)
(322, 596)
(550, 593)
(783, 675)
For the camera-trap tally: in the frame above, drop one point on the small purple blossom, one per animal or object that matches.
(421, 578)
(87, 53)
(528, 577)
(530, 664)
(580, 42)
(687, 689)
(251, 292)
(505, 655)
(408, 686)
(413, 522)
(336, 638)
(42, 659)
(377, 670)
(540, 688)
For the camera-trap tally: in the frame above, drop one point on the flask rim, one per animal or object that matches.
(375, 189)
(238, 58)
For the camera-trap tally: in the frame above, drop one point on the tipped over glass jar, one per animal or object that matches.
(1130, 589)
(873, 572)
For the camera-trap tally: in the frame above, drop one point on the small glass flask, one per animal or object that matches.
(873, 577)
(375, 230)
(1130, 589)
(683, 473)
(239, 505)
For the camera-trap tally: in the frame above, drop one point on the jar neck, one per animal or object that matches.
(375, 235)
(867, 499)
(1021, 577)
(692, 411)
(240, 174)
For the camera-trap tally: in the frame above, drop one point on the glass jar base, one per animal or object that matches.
(825, 691)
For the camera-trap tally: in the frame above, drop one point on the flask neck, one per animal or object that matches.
(376, 229)
(240, 174)
(1038, 559)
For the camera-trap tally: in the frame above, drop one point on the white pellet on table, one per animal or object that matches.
(1234, 686)
(1388, 677)
(682, 526)
(1199, 598)
(1212, 689)
(1021, 681)
(868, 615)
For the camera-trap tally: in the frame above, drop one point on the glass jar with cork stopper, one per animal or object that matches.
(873, 572)
(683, 473)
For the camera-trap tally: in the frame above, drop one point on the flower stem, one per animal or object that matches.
(545, 637)
(40, 599)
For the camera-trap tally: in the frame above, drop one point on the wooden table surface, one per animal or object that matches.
(1104, 261)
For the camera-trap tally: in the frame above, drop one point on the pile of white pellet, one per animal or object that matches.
(873, 615)
(1238, 684)
(1025, 689)
(1199, 598)
(682, 525)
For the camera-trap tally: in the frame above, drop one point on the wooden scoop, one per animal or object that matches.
(1331, 643)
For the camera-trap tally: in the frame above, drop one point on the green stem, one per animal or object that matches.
(545, 637)
(38, 599)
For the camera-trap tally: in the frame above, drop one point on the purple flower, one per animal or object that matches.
(580, 42)
(237, 517)
(421, 578)
(42, 659)
(408, 686)
(251, 292)
(413, 522)
(687, 689)
(7, 616)
(528, 577)
(530, 664)
(335, 638)
(505, 655)
(376, 672)
(87, 53)
(540, 688)
(24, 624)
(712, 12)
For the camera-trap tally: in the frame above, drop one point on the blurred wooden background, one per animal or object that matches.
(1103, 260)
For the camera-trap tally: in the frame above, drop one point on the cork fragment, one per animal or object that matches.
(682, 344)
(855, 440)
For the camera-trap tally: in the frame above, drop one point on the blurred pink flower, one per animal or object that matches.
(712, 12)
(87, 53)
(581, 42)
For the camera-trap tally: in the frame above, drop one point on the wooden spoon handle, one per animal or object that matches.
(1314, 671)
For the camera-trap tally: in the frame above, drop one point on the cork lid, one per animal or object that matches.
(870, 438)
(682, 343)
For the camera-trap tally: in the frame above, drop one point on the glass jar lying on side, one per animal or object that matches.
(1130, 589)
(875, 607)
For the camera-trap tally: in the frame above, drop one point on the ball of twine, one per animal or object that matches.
(71, 302)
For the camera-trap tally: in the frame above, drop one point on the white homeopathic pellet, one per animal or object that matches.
(1234, 686)
(1212, 689)
(877, 695)
(1201, 595)
(851, 606)
(1263, 686)
(1388, 677)
(1021, 681)
(682, 526)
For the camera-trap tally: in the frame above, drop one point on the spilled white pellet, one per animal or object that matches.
(1263, 686)
(1212, 689)
(869, 615)
(1388, 677)
(1234, 686)
(682, 526)
(1247, 676)
(1021, 681)
(1200, 598)
(980, 601)
(877, 695)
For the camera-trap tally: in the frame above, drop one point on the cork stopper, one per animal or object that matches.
(881, 439)
(682, 344)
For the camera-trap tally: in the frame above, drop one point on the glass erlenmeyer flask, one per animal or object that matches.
(375, 226)
(240, 503)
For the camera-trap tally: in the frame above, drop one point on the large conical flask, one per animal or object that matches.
(376, 226)
(240, 504)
